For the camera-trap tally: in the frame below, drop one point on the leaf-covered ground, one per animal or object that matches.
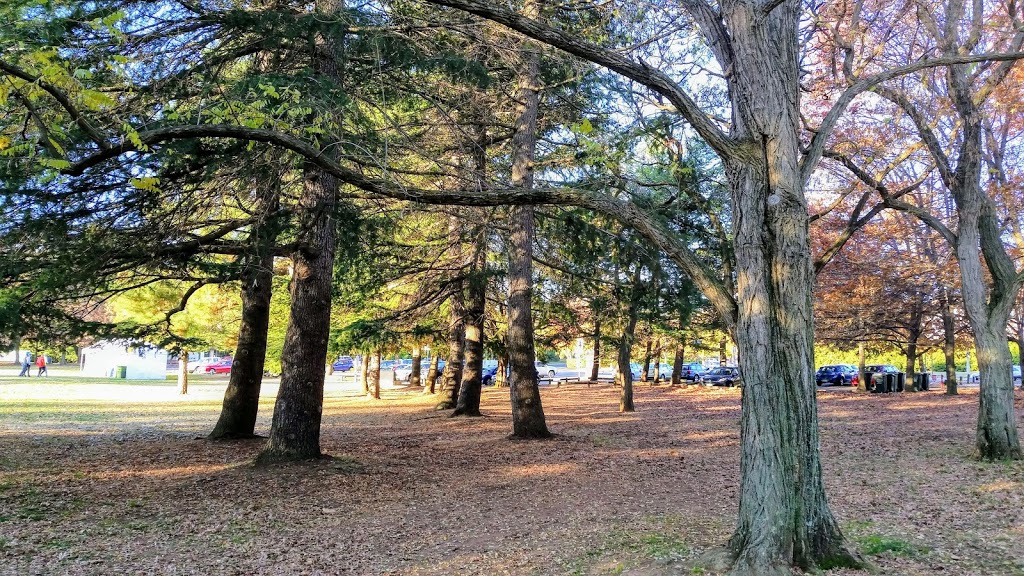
(110, 478)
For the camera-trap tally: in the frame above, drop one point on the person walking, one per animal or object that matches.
(26, 365)
(41, 364)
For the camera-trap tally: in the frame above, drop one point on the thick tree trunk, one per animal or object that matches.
(373, 374)
(527, 412)
(677, 365)
(596, 366)
(431, 383)
(784, 517)
(472, 374)
(417, 359)
(295, 428)
(988, 309)
(451, 377)
(242, 397)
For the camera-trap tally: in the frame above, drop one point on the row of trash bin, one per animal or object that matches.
(884, 383)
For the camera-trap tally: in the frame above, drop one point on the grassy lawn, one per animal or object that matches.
(112, 477)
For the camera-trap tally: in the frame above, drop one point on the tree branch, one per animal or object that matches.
(624, 211)
(637, 71)
(817, 146)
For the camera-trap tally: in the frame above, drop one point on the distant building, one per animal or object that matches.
(119, 359)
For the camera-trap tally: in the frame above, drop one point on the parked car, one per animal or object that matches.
(1016, 375)
(342, 364)
(488, 376)
(545, 370)
(722, 376)
(692, 371)
(835, 375)
(202, 364)
(222, 366)
(404, 372)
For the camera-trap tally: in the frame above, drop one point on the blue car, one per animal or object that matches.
(487, 378)
(343, 364)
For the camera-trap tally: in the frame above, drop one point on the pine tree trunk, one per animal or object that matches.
(625, 374)
(657, 361)
(677, 365)
(430, 384)
(417, 359)
(295, 427)
(242, 397)
(596, 366)
(646, 375)
(183, 373)
(527, 412)
(472, 375)
(451, 376)
(373, 374)
(364, 374)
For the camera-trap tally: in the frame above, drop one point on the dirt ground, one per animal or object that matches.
(111, 479)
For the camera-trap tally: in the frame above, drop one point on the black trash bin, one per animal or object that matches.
(889, 383)
(901, 381)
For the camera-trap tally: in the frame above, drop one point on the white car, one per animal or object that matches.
(404, 370)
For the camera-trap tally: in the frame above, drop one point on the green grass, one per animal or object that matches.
(875, 544)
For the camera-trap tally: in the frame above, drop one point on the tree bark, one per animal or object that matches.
(431, 383)
(242, 397)
(183, 372)
(417, 359)
(596, 366)
(451, 376)
(657, 361)
(625, 375)
(472, 374)
(527, 412)
(677, 365)
(646, 374)
(295, 428)
(364, 374)
(373, 374)
(784, 517)
(500, 378)
(911, 371)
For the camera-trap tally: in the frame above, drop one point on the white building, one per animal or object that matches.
(144, 362)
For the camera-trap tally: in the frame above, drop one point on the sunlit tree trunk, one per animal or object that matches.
(472, 374)
(373, 375)
(183, 373)
(417, 359)
(596, 366)
(428, 387)
(677, 365)
(527, 412)
(242, 397)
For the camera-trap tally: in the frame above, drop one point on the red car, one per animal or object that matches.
(222, 366)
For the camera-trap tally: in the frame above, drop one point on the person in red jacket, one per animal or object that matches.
(41, 364)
